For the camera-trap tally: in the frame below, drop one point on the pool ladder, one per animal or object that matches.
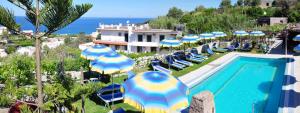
(253, 107)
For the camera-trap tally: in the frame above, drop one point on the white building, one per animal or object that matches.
(133, 38)
(28, 50)
(53, 42)
(2, 29)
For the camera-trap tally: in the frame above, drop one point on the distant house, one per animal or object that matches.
(133, 38)
(29, 50)
(2, 30)
(28, 32)
(53, 42)
(266, 3)
(272, 20)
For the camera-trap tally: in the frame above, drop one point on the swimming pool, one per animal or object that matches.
(244, 84)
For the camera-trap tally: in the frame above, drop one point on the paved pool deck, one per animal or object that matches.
(291, 89)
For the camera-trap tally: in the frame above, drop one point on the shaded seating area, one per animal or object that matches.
(188, 57)
(110, 94)
(156, 65)
(181, 61)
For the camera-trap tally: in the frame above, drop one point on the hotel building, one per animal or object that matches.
(132, 38)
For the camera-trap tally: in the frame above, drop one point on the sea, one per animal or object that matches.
(85, 25)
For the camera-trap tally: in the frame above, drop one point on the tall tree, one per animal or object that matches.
(53, 14)
(175, 12)
(225, 4)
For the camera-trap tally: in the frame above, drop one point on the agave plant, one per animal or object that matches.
(53, 14)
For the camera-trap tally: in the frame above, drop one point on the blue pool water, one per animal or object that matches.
(244, 84)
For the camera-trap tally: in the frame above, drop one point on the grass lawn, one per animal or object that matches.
(178, 73)
(95, 107)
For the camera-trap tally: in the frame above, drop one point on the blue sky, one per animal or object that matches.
(132, 8)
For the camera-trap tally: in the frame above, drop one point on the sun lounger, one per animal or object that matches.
(172, 63)
(246, 47)
(157, 67)
(130, 74)
(119, 110)
(217, 49)
(194, 52)
(189, 57)
(105, 94)
(181, 61)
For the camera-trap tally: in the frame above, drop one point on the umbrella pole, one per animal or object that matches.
(112, 79)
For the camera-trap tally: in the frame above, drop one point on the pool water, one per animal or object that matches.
(246, 84)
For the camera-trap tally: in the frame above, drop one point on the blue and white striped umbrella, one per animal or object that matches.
(190, 39)
(241, 33)
(112, 63)
(95, 51)
(170, 42)
(155, 92)
(207, 36)
(297, 38)
(257, 33)
(219, 34)
(297, 49)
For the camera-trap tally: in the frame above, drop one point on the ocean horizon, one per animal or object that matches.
(86, 25)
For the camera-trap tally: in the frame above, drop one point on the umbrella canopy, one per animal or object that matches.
(297, 38)
(257, 33)
(219, 34)
(95, 51)
(297, 49)
(207, 36)
(112, 63)
(241, 33)
(190, 39)
(155, 92)
(170, 42)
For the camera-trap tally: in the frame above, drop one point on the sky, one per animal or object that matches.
(131, 8)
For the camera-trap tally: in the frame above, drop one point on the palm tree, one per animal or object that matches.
(53, 14)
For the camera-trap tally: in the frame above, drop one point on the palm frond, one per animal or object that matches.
(7, 19)
(57, 14)
(27, 5)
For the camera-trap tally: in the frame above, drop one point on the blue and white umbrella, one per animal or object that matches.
(112, 63)
(219, 34)
(170, 42)
(257, 33)
(190, 39)
(155, 92)
(95, 51)
(207, 36)
(297, 38)
(297, 49)
(240, 33)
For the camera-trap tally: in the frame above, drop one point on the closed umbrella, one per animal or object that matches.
(155, 92)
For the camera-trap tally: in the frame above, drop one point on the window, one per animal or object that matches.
(125, 48)
(126, 37)
(117, 47)
(120, 34)
(153, 49)
(139, 49)
(140, 38)
(149, 38)
(267, 4)
(161, 37)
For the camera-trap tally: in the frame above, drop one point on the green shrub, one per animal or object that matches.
(11, 49)
(5, 101)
